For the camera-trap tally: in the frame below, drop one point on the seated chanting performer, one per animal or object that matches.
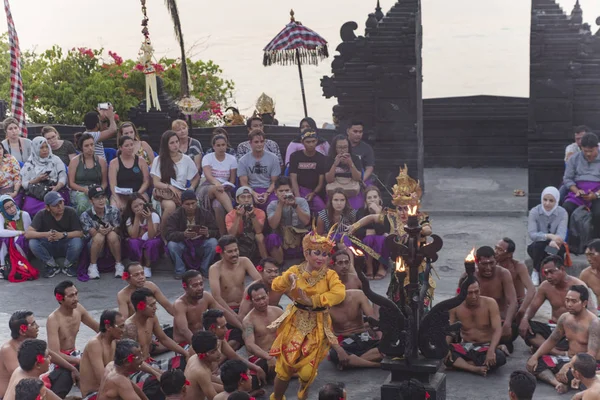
(43, 172)
(581, 327)
(479, 350)
(235, 376)
(314, 288)
(85, 170)
(341, 264)
(227, 278)
(115, 383)
(591, 275)
(127, 174)
(406, 197)
(31, 389)
(257, 337)
(198, 370)
(584, 370)
(173, 384)
(268, 270)
(554, 289)
(135, 278)
(356, 345)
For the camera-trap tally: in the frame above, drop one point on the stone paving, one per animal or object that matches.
(464, 216)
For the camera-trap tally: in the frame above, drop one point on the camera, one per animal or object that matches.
(147, 206)
(288, 196)
(248, 207)
(103, 106)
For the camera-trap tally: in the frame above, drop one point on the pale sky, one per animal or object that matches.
(471, 46)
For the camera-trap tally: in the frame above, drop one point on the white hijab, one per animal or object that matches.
(551, 190)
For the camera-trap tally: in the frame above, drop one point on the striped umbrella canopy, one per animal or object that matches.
(296, 45)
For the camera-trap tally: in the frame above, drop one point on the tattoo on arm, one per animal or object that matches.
(594, 338)
(249, 331)
(559, 331)
(130, 332)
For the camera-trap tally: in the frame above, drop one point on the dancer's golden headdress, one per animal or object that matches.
(265, 105)
(313, 241)
(233, 117)
(407, 191)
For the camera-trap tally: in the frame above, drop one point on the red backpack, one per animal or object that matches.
(20, 270)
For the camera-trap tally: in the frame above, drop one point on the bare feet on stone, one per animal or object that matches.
(561, 388)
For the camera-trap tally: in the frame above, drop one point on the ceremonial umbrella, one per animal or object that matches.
(296, 44)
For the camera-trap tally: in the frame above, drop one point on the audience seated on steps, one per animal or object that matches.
(547, 229)
(221, 131)
(14, 144)
(85, 170)
(340, 214)
(171, 171)
(256, 123)
(101, 125)
(259, 169)
(10, 176)
(63, 149)
(102, 228)
(187, 145)
(127, 174)
(361, 149)
(13, 224)
(56, 232)
(140, 147)
(307, 171)
(582, 177)
(219, 171)
(296, 144)
(42, 173)
(190, 234)
(247, 223)
(343, 171)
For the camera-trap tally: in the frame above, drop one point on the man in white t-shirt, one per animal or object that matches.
(93, 126)
(575, 147)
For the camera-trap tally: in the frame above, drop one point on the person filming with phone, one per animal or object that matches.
(190, 232)
(246, 223)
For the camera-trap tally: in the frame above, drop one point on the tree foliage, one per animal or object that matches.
(61, 86)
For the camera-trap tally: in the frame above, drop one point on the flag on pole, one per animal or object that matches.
(17, 100)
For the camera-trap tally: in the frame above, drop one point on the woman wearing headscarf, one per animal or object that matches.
(547, 227)
(296, 144)
(43, 172)
(13, 224)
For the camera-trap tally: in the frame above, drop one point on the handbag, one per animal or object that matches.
(166, 194)
(39, 190)
(292, 237)
(351, 188)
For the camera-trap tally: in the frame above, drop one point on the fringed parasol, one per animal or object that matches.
(296, 44)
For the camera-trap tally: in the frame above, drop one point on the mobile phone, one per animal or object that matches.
(48, 172)
(551, 250)
(194, 228)
(147, 206)
(248, 207)
(103, 106)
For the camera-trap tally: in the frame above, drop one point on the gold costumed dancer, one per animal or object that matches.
(406, 196)
(304, 333)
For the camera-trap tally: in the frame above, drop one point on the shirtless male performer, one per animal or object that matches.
(198, 370)
(554, 289)
(268, 270)
(227, 278)
(480, 332)
(235, 377)
(189, 307)
(214, 321)
(584, 370)
(23, 326)
(505, 249)
(343, 266)
(143, 323)
(591, 275)
(116, 384)
(496, 282)
(173, 384)
(134, 276)
(357, 347)
(257, 337)
(581, 327)
(62, 328)
(34, 360)
(100, 351)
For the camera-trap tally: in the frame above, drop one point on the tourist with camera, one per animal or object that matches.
(246, 223)
(289, 218)
(102, 225)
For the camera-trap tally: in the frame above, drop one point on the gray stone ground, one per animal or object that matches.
(469, 208)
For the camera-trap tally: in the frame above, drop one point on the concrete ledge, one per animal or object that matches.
(477, 213)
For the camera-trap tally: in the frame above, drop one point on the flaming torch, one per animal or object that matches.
(470, 263)
(356, 252)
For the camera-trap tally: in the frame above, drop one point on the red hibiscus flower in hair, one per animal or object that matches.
(130, 358)
(244, 376)
(125, 276)
(201, 356)
(141, 306)
(427, 395)
(248, 297)
(107, 322)
(457, 290)
(260, 268)
(184, 285)
(59, 297)
(23, 327)
(40, 359)
(187, 383)
(218, 250)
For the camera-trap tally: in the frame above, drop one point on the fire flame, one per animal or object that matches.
(356, 252)
(400, 266)
(412, 211)
(471, 257)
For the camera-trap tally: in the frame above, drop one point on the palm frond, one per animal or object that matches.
(174, 12)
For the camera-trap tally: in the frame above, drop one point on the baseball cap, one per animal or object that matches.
(95, 190)
(242, 190)
(52, 198)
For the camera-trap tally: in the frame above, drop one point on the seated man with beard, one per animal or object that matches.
(268, 270)
(115, 384)
(342, 265)
(135, 278)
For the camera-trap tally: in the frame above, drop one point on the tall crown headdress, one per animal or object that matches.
(265, 105)
(313, 241)
(406, 191)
